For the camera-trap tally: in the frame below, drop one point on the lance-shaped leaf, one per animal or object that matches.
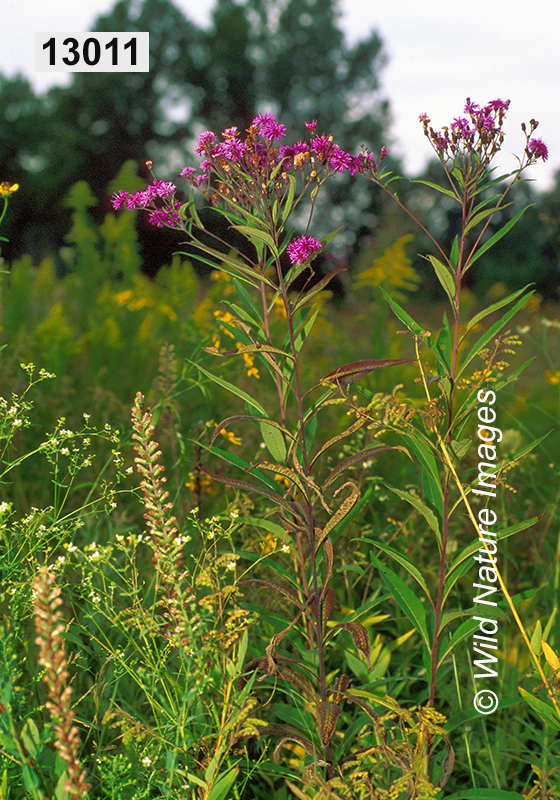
(247, 299)
(341, 686)
(420, 506)
(405, 599)
(544, 711)
(231, 388)
(327, 715)
(316, 288)
(494, 307)
(344, 509)
(495, 238)
(286, 472)
(356, 425)
(349, 373)
(357, 458)
(414, 327)
(438, 188)
(492, 331)
(360, 637)
(249, 487)
(247, 348)
(551, 658)
(273, 438)
(478, 217)
(403, 561)
(289, 199)
(445, 278)
(257, 235)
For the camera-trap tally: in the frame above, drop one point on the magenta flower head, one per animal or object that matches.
(119, 199)
(301, 248)
(205, 138)
(311, 125)
(536, 148)
(187, 172)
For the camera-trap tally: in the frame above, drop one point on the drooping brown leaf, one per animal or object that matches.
(360, 637)
(327, 715)
(341, 686)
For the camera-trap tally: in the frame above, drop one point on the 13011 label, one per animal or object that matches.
(92, 52)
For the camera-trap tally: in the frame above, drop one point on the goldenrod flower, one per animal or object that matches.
(6, 190)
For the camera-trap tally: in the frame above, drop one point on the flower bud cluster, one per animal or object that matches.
(480, 133)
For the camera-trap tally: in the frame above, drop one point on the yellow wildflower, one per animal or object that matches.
(124, 297)
(269, 544)
(552, 377)
(6, 190)
(249, 360)
(205, 483)
(231, 437)
(284, 482)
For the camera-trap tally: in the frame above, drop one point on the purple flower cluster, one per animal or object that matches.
(159, 216)
(301, 248)
(536, 148)
(258, 153)
(247, 172)
(480, 132)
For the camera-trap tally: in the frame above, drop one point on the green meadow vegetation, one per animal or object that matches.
(237, 518)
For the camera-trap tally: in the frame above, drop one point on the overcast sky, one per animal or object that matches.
(439, 52)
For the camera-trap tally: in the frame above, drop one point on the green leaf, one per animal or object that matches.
(495, 238)
(426, 512)
(231, 458)
(330, 236)
(289, 200)
(536, 639)
(223, 785)
(430, 475)
(403, 561)
(266, 524)
(544, 711)
(31, 738)
(246, 299)
(316, 288)
(473, 222)
(231, 388)
(494, 307)
(256, 234)
(492, 331)
(405, 599)
(445, 278)
(274, 440)
(413, 326)
(59, 792)
(456, 570)
(438, 188)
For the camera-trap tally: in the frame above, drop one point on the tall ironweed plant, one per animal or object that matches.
(266, 191)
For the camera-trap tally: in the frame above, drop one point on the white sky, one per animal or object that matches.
(440, 52)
